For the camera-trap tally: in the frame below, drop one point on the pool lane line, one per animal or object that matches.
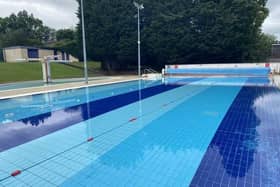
(121, 100)
(104, 92)
(98, 107)
(45, 160)
(91, 139)
(168, 136)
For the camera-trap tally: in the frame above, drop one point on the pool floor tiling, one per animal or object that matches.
(246, 148)
(175, 135)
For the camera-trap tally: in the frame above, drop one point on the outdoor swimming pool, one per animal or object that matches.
(175, 132)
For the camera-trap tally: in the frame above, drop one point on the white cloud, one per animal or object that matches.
(272, 23)
(54, 13)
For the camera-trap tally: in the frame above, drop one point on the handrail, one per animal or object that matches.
(149, 71)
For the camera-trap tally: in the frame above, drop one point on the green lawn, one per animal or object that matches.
(14, 72)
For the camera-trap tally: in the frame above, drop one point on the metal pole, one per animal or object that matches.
(139, 44)
(84, 43)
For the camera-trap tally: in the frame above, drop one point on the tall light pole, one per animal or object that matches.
(84, 42)
(139, 7)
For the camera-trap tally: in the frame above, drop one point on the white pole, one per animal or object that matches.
(139, 7)
(84, 43)
(48, 71)
(139, 45)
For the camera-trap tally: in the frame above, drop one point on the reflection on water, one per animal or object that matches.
(237, 151)
(49, 122)
(37, 120)
(245, 149)
(237, 137)
(19, 108)
(146, 142)
(168, 147)
(268, 111)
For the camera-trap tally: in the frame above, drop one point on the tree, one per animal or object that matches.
(263, 47)
(23, 29)
(66, 41)
(65, 34)
(174, 31)
(111, 32)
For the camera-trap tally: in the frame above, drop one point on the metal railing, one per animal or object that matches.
(149, 71)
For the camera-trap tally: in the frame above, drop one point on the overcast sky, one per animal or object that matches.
(272, 23)
(62, 13)
(54, 13)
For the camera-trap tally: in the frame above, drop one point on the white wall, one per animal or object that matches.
(15, 55)
(215, 66)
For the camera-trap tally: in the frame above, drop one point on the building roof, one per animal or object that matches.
(31, 47)
(20, 47)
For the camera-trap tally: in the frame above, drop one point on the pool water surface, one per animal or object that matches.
(174, 132)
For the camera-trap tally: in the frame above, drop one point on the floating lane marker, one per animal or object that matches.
(90, 139)
(132, 119)
(16, 173)
(167, 104)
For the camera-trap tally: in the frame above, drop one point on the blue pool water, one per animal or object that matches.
(175, 132)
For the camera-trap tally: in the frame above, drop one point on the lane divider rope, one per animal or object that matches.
(16, 173)
(133, 119)
(90, 139)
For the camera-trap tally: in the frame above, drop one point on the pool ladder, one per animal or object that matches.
(151, 74)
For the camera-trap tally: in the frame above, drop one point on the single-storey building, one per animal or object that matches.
(32, 54)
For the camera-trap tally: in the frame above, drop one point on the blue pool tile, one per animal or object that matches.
(161, 148)
(160, 155)
(11, 109)
(244, 151)
(14, 183)
(46, 150)
(50, 122)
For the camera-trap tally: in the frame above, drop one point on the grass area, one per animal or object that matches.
(14, 72)
(91, 65)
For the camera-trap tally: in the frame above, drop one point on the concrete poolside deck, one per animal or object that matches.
(30, 90)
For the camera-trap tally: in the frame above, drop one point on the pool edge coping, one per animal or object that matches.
(9, 94)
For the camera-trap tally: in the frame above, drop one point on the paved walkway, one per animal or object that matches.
(37, 88)
(28, 84)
